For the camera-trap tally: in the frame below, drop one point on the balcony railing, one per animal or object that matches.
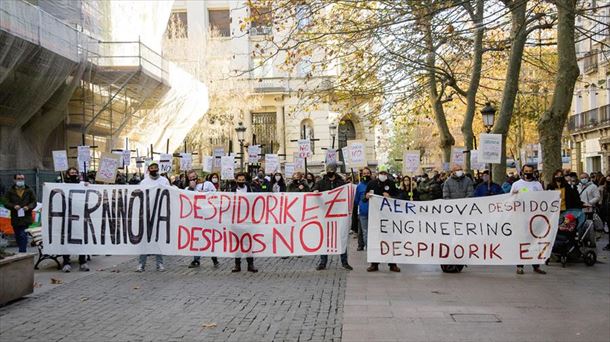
(591, 119)
(590, 61)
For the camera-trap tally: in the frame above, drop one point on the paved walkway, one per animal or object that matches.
(290, 301)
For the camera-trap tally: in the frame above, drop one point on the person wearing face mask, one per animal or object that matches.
(407, 190)
(263, 184)
(20, 200)
(525, 184)
(362, 207)
(569, 195)
(310, 179)
(589, 194)
(277, 183)
(487, 187)
(331, 180)
(210, 185)
(458, 185)
(152, 179)
(298, 184)
(242, 186)
(73, 177)
(193, 185)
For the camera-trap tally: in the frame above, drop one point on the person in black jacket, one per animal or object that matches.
(407, 190)
(20, 200)
(382, 186)
(73, 177)
(241, 185)
(570, 199)
(298, 183)
(330, 181)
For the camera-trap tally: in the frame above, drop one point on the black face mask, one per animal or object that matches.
(73, 178)
(241, 184)
(153, 173)
(330, 174)
(366, 178)
(558, 179)
(528, 175)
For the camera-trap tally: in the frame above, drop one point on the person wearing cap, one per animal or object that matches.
(331, 180)
(487, 187)
(458, 185)
(382, 186)
(152, 179)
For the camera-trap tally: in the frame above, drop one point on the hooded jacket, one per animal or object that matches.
(457, 187)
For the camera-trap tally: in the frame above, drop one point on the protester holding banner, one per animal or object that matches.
(430, 188)
(153, 179)
(192, 186)
(310, 179)
(382, 186)
(298, 184)
(277, 183)
(487, 187)
(241, 185)
(525, 184)
(331, 180)
(211, 184)
(569, 195)
(458, 185)
(362, 207)
(407, 191)
(72, 177)
(20, 200)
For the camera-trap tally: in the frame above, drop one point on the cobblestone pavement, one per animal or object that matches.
(286, 301)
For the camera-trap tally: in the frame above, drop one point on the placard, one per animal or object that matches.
(186, 161)
(410, 162)
(331, 157)
(254, 152)
(345, 153)
(109, 163)
(217, 152)
(83, 158)
(457, 156)
(208, 164)
(165, 163)
(490, 148)
(126, 158)
(227, 167)
(304, 148)
(60, 160)
(474, 161)
(272, 163)
(357, 153)
(288, 170)
(299, 163)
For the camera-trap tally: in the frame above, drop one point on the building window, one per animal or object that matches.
(177, 25)
(262, 67)
(307, 133)
(264, 130)
(303, 16)
(220, 22)
(592, 97)
(261, 21)
(347, 131)
(578, 103)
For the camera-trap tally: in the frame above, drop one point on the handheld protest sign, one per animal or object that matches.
(490, 148)
(208, 164)
(109, 163)
(217, 152)
(457, 155)
(165, 163)
(299, 162)
(60, 160)
(288, 170)
(186, 161)
(304, 148)
(254, 152)
(227, 167)
(410, 162)
(331, 157)
(357, 153)
(272, 163)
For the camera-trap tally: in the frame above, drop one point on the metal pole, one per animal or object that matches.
(241, 151)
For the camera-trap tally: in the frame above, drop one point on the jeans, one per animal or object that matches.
(249, 260)
(82, 259)
(21, 237)
(364, 229)
(158, 259)
(324, 259)
(198, 259)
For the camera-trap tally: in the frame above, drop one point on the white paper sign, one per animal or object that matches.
(186, 161)
(208, 164)
(299, 163)
(494, 230)
(345, 153)
(254, 152)
(490, 148)
(126, 158)
(457, 156)
(60, 160)
(357, 153)
(410, 162)
(474, 161)
(227, 167)
(109, 163)
(21, 212)
(272, 163)
(165, 163)
(218, 152)
(83, 158)
(304, 148)
(288, 170)
(331, 157)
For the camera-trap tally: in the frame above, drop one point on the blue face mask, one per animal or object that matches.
(584, 181)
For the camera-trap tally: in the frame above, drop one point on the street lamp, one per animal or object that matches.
(333, 133)
(241, 131)
(489, 115)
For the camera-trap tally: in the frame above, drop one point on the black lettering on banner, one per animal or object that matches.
(136, 238)
(164, 198)
(121, 214)
(72, 217)
(151, 216)
(53, 213)
(109, 217)
(87, 219)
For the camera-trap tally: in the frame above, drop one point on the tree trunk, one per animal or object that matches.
(446, 139)
(475, 78)
(518, 10)
(552, 122)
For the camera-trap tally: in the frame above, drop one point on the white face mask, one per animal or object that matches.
(278, 178)
(383, 178)
(459, 173)
(214, 180)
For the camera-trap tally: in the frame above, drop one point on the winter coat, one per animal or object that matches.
(363, 207)
(455, 188)
(294, 186)
(27, 198)
(326, 184)
(484, 190)
(429, 190)
(589, 194)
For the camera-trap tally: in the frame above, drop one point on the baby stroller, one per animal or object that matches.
(575, 238)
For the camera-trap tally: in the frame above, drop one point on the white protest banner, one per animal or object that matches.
(457, 156)
(304, 148)
(331, 157)
(493, 230)
(254, 152)
(490, 148)
(83, 158)
(208, 164)
(299, 163)
(227, 167)
(357, 153)
(288, 170)
(126, 158)
(345, 153)
(109, 163)
(217, 152)
(186, 161)
(410, 162)
(60, 160)
(475, 164)
(120, 154)
(132, 220)
(165, 162)
(272, 163)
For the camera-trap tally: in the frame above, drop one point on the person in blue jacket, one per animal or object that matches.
(362, 207)
(487, 187)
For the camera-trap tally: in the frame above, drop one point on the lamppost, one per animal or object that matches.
(241, 131)
(489, 115)
(333, 133)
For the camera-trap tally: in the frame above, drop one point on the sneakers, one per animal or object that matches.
(84, 267)
(140, 268)
(348, 267)
(67, 268)
(194, 264)
(160, 268)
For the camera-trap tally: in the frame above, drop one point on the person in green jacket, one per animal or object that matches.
(20, 200)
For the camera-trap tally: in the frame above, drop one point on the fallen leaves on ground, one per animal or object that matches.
(56, 281)
(208, 326)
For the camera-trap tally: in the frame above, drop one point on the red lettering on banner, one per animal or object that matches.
(241, 242)
(492, 251)
(306, 208)
(408, 248)
(277, 235)
(194, 238)
(455, 251)
(421, 246)
(224, 199)
(287, 205)
(473, 249)
(233, 237)
(258, 239)
(545, 246)
(321, 237)
(330, 204)
(216, 237)
(383, 250)
(182, 198)
(240, 206)
(180, 232)
(445, 247)
(262, 210)
(213, 207)
(196, 207)
(270, 209)
(208, 242)
(523, 252)
(548, 226)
